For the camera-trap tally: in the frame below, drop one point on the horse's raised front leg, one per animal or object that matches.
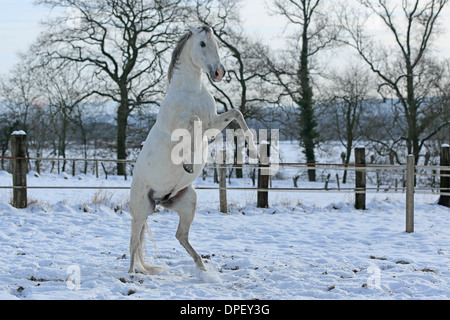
(220, 122)
(195, 135)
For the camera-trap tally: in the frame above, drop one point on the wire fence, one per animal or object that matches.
(409, 173)
(19, 162)
(366, 168)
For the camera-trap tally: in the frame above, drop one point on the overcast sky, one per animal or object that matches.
(19, 26)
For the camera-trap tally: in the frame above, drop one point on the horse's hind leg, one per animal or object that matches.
(140, 210)
(137, 238)
(184, 203)
(183, 236)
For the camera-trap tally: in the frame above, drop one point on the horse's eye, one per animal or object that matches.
(202, 44)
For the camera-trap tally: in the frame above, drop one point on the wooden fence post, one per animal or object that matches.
(38, 163)
(223, 182)
(327, 180)
(263, 175)
(410, 193)
(360, 178)
(19, 168)
(444, 200)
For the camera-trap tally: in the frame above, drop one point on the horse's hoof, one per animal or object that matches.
(188, 168)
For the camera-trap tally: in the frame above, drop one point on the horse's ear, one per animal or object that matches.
(193, 29)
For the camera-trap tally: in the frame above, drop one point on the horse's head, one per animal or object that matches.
(204, 52)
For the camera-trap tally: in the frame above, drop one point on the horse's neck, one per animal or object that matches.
(186, 75)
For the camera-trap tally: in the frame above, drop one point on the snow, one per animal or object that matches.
(19, 133)
(73, 244)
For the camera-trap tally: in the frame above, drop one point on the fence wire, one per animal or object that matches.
(368, 168)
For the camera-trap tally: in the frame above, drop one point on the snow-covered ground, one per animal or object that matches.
(73, 244)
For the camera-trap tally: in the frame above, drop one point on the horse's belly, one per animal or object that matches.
(157, 171)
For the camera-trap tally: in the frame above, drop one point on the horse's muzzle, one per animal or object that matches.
(217, 74)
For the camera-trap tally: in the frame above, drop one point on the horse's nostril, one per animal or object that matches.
(217, 74)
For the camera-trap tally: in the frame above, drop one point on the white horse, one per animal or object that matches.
(157, 179)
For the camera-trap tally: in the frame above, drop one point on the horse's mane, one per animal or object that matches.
(179, 48)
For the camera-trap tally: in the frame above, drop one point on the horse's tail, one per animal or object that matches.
(137, 248)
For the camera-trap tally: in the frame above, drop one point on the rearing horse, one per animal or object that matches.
(157, 179)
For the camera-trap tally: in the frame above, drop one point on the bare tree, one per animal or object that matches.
(405, 69)
(21, 105)
(349, 94)
(19, 92)
(63, 91)
(7, 125)
(245, 86)
(42, 100)
(121, 45)
(315, 32)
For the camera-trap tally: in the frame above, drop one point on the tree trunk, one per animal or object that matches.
(237, 148)
(307, 119)
(63, 137)
(122, 122)
(348, 154)
(350, 118)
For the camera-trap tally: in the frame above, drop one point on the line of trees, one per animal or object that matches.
(111, 56)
